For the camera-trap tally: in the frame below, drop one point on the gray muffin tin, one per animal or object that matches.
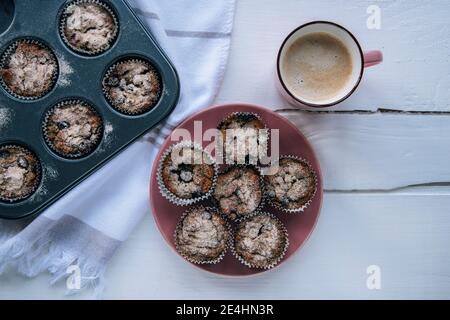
(21, 120)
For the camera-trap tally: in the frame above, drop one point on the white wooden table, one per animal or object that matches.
(384, 152)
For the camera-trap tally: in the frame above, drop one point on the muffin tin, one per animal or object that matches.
(80, 78)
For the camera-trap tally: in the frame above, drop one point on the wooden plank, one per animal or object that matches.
(377, 151)
(414, 37)
(405, 234)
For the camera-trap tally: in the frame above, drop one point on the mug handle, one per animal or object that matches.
(372, 58)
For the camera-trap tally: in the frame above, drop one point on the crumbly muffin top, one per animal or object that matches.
(73, 129)
(293, 185)
(30, 70)
(186, 174)
(238, 191)
(89, 27)
(246, 126)
(133, 86)
(19, 173)
(260, 240)
(202, 235)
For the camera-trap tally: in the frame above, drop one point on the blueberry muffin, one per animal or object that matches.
(260, 241)
(20, 173)
(73, 129)
(186, 174)
(88, 26)
(29, 69)
(239, 191)
(132, 87)
(248, 126)
(202, 235)
(293, 186)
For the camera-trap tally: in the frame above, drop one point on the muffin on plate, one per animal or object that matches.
(88, 26)
(132, 86)
(28, 69)
(20, 173)
(260, 241)
(202, 235)
(244, 137)
(239, 191)
(73, 129)
(293, 186)
(187, 174)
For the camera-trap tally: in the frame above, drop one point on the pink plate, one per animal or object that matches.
(292, 142)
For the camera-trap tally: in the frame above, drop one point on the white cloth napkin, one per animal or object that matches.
(86, 226)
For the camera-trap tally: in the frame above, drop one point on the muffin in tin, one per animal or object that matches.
(28, 69)
(202, 235)
(73, 129)
(243, 124)
(293, 186)
(20, 173)
(186, 174)
(88, 26)
(132, 86)
(260, 241)
(239, 191)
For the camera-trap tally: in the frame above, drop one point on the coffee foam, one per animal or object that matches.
(316, 67)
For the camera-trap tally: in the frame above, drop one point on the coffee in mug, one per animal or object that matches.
(316, 66)
(321, 64)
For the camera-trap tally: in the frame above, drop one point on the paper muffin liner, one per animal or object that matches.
(239, 217)
(246, 113)
(179, 226)
(4, 60)
(111, 100)
(50, 143)
(38, 173)
(278, 259)
(306, 204)
(173, 198)
(63, 20)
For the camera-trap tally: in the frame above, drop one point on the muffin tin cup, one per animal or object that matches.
(63, 20)
(171, 196)
(50, 144)
(10, 50)
(38, 173)
(240, 113)
(111, 100)
(306, 204)
(180, 225)
(279, 258)
(239, 217)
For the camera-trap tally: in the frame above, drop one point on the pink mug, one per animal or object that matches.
(359, 59)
